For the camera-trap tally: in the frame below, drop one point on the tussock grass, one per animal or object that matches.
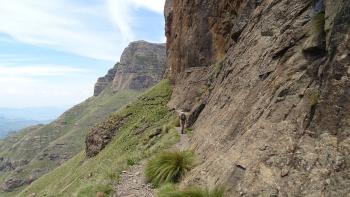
(169, 166)
(317, 25)
(170, 190)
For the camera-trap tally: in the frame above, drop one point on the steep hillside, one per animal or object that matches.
(270, 83)
(35, 151)
(40, 150)
(135, 126)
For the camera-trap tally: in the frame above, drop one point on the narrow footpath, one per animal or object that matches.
(133, 183)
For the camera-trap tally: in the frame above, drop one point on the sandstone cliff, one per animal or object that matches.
(141, 65)
(268, 119)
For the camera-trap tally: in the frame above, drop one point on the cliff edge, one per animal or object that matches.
(142, 64)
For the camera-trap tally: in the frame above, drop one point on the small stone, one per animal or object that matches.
(279, 99)
(263, 147)
(284, 172)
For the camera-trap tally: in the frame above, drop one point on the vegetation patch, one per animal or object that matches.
(91, 191)
(105, 168)
(169, 166)
(170, 190)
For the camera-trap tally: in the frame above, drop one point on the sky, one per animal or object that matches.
(53, 51)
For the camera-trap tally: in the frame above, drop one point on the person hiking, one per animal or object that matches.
(183, 119)
(316, 43)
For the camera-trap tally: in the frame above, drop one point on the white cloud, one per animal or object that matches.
(94, 29)
(72, 27)
(154, 5)
(41, 70)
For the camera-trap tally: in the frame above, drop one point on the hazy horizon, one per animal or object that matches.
(51, 53)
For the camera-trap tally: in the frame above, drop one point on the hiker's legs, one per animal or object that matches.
(182, 130)
(182, 127)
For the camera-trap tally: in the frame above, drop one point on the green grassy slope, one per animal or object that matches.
(47, 146)
(84, 177)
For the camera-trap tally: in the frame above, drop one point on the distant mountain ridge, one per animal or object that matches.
(32, 113)
(33, 152)
(11, 125)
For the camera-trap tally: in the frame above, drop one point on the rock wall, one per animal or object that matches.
(275, 120)
(141, 65)
(104, 81)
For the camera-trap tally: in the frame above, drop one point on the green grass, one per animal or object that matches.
(317, 24)
(91, 191)
(170, 190)
(69, 129)
(169, 166)
(79, 174)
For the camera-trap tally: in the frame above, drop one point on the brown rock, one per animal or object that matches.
(100, 194)
(102, 134)
(267, 105)
(141, 65)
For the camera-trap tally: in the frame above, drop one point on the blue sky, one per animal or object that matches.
(52, 51)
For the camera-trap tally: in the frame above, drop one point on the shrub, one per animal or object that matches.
(172, 191)
(169, 166)
(130, 162)
(317, 24)
(177, 122)
(166, 128)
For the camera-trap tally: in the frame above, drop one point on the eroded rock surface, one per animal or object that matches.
(275, 122)
(141, 65)
(102, 134)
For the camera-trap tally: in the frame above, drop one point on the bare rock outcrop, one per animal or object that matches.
(102, 134)
(103, 82)
(141, 65)
(275, 120)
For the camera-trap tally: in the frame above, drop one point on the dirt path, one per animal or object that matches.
(184, 142)
(132, 182)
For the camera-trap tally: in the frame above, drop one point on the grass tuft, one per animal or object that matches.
(317, 24)
(169, 166)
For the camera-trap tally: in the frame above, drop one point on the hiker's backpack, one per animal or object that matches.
(183, 117)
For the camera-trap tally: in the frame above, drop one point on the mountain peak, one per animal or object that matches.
(141, 65)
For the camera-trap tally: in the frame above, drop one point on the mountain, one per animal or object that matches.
(141, 66)
(34, 113)
(15, 119)
(265, 86)
(11, 125)
(27, 155)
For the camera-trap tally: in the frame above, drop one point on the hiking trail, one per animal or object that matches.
(132, 181)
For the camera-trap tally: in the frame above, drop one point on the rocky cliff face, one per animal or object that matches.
(141, 65)
(268, 119)
(104, 81)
